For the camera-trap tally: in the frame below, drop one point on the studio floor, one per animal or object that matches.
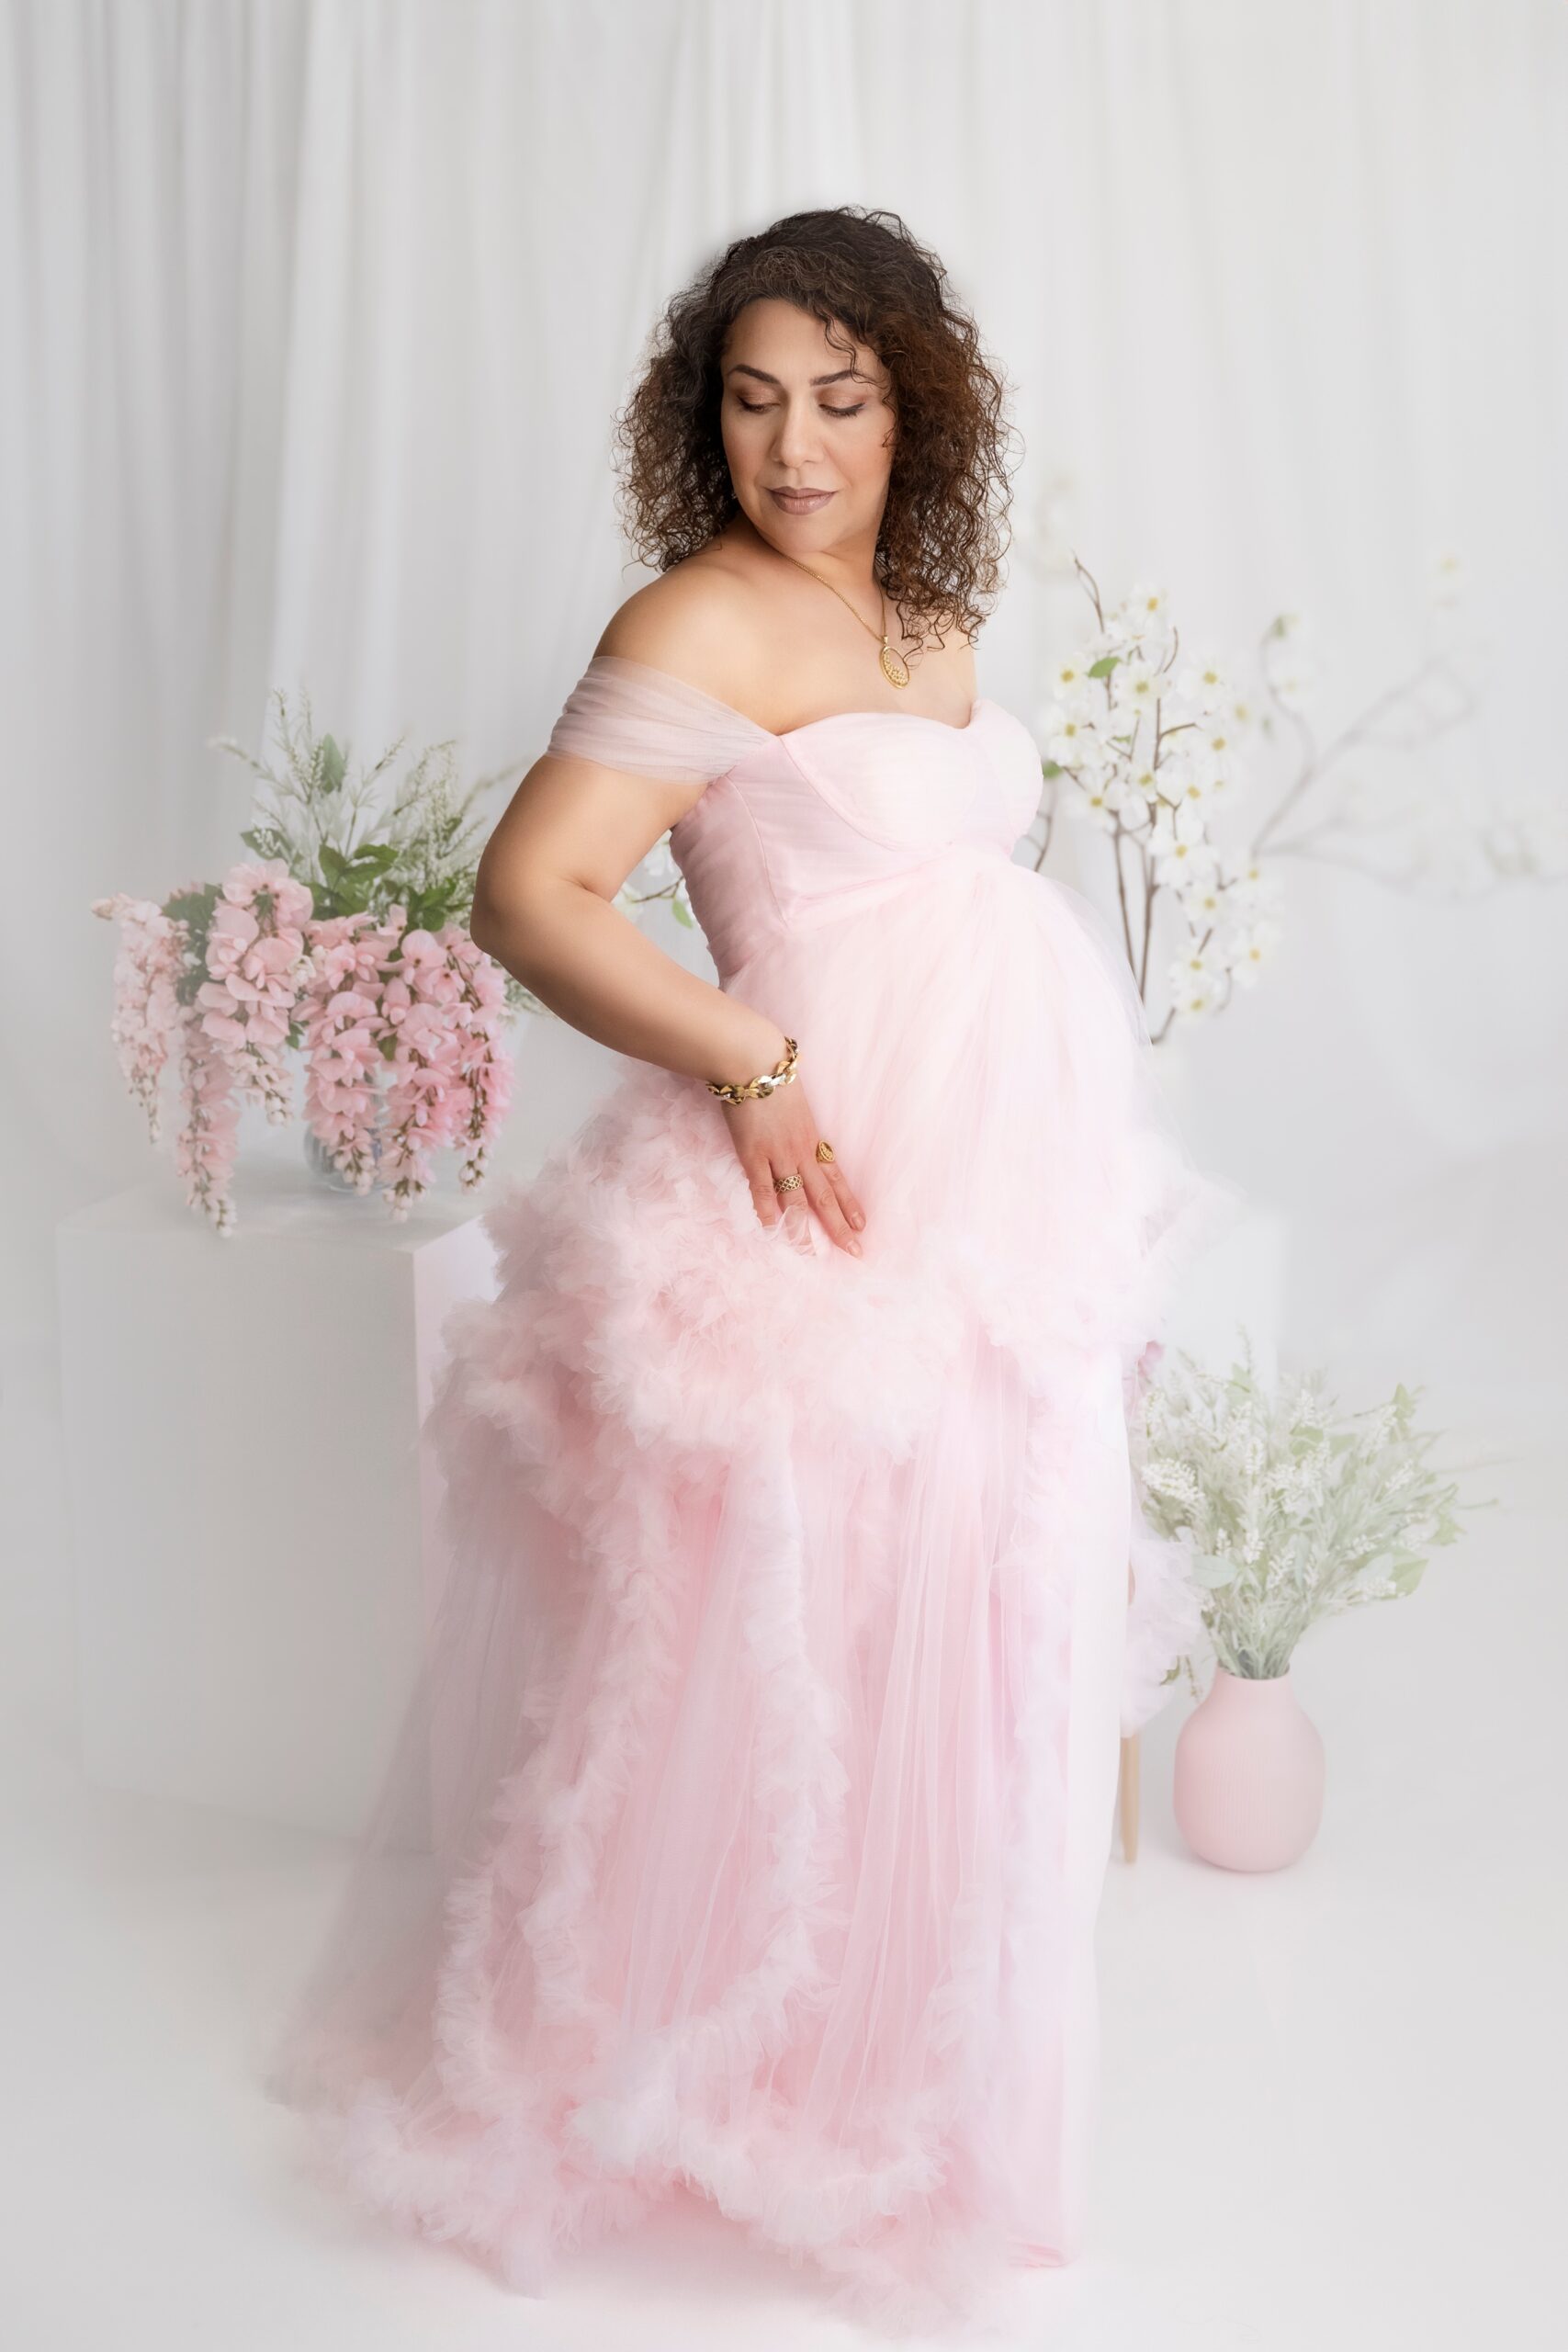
(1331, 2098)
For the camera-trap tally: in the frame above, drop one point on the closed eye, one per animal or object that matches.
(755, 408)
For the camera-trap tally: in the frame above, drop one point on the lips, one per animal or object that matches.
(800, 502)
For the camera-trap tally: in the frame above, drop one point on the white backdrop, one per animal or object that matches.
(316, 320)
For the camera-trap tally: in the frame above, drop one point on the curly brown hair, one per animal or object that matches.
(854, 269)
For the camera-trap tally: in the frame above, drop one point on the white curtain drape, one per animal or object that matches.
(316, 318)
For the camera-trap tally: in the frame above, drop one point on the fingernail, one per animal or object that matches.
(856, 1248)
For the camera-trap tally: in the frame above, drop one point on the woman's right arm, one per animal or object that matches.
(544, 907)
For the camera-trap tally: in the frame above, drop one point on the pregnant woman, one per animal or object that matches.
(746, 1834)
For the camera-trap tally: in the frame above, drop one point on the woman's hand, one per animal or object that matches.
(775, 1134)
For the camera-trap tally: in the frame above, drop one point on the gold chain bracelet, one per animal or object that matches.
(753, 1088)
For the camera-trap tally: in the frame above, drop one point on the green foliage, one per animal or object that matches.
(362, 843)
(193, 908)
(330, 766)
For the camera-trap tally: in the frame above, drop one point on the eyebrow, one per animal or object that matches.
(841, 375)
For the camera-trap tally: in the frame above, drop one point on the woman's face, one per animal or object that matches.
(797, 414)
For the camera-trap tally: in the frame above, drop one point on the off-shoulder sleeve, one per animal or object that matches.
(626, 714)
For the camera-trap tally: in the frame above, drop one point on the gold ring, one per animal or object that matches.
(824, 1150)
(786, 1183)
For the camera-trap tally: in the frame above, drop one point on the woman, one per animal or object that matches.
(773, 1711)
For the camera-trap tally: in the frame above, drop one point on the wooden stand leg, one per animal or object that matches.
(1127, 1787)
(1127, 1803)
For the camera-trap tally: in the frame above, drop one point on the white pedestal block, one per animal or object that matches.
(254, 1515)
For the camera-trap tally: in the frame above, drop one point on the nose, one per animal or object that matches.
(799, 434)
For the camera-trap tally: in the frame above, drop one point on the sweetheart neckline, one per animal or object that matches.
(785, 735)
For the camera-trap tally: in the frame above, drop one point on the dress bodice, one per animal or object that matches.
(798, 829)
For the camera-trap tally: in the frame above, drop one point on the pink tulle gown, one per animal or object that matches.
(747, 1828)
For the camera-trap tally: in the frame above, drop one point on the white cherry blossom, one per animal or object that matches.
(1178, 842)
(1136, 687)
(1203, 684)
(1072, 740)
(1252, 948)
(1197, 980)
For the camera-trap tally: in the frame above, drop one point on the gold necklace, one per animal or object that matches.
(894, 668)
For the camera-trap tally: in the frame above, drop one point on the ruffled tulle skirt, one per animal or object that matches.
(748, 1827)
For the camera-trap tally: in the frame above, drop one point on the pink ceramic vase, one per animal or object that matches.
(1249, 1770)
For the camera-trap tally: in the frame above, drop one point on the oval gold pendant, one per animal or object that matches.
(893, 668)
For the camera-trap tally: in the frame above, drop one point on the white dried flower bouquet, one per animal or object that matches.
(1290, 1512)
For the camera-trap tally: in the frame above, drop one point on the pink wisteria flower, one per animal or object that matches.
(340, 1015)
(444, 1008)
(256, 963)
(148, 963)
(206, 1145)
(400, 1029)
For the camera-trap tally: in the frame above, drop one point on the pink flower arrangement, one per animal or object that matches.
(237, 974)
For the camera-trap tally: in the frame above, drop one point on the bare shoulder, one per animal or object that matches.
(717, 621)
(695, 621)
